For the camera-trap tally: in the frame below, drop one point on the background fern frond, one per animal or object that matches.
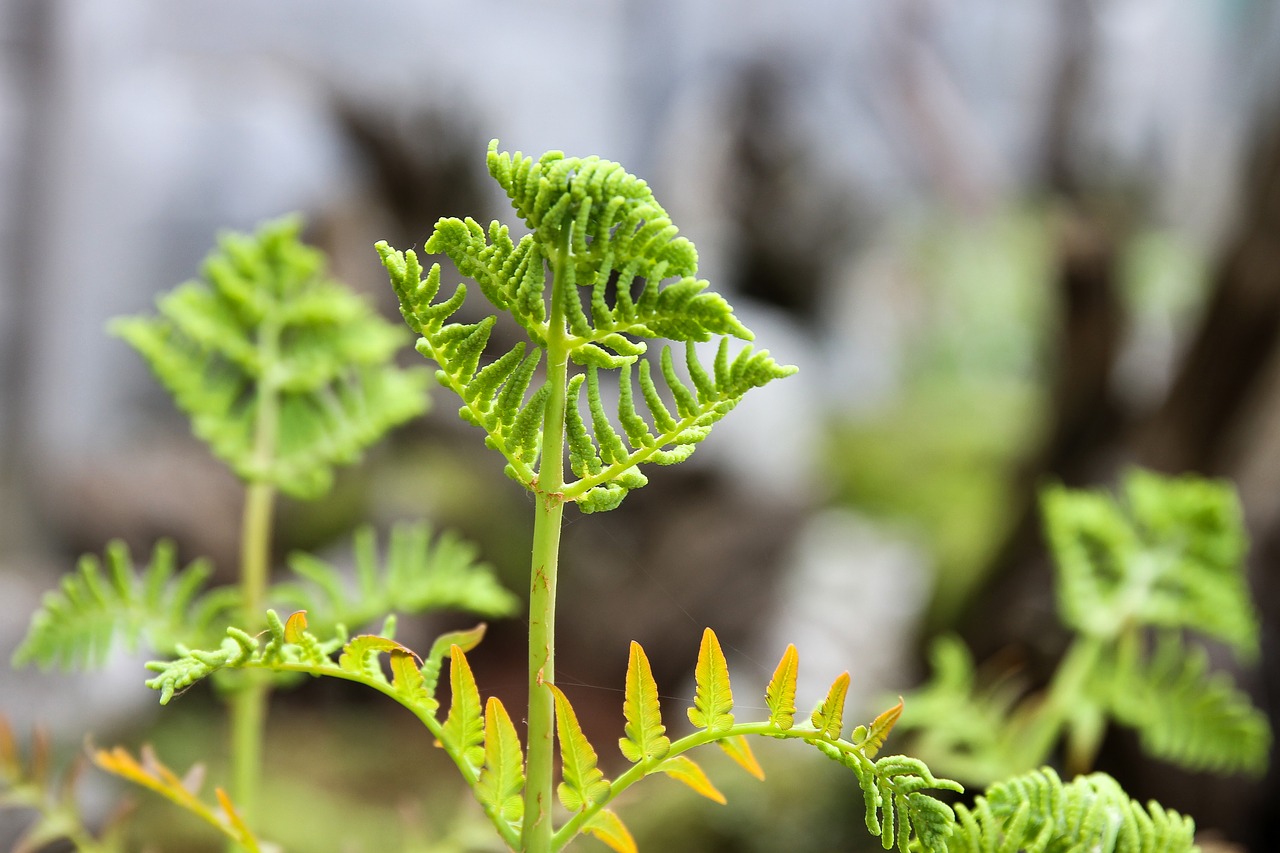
(111, 603)
(265, 323)
(1172, 556)
(418, 572)
(1038, 812)
(1186, 713)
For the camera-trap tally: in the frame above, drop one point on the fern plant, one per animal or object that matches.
(599, 274)
(1135, 577)
(285, 374)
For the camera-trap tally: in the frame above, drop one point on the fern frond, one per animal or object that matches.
(418, 573)
(1186, 713)
(266, 344)
(184, 792)
(1038, 813)
(1172, 557)
(112, 603)
(614, 250)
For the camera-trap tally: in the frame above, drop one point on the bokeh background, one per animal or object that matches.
(1007, 244)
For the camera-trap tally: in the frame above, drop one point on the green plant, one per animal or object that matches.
(600, 272)
(285, 374)
(1133, 577)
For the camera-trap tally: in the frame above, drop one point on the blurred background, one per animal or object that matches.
(1006, 243)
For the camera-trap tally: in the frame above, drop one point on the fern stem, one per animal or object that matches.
(249, 703)
(1068, 707)
(537, 828)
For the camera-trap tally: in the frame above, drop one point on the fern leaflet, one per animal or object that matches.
(645, 734)
(502, 777)
(583, 783)
(713, 699)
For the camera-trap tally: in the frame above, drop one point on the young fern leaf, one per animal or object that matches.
(583, 783)
(601, 231)
(1037, 813)
(645, 734)
(780, 696)
(441, 649)
(151, 773)
(419, 574)
(713, 698)
(110, 602)
(872, 737)
(463, 730)
(828, 717)
(683, 768)
(266, 344)
(502, 777)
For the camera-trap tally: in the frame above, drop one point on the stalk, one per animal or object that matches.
(249, 702)
(537, 831)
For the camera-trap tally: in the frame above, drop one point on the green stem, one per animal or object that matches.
(537, 830)
(1068, 707)
(249, 702)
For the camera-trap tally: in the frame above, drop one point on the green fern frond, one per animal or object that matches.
(419, 573)
(284, 372)
(1184, 712)
(1039, 813)
(621, 274)
(1171, 557)
(111, 603)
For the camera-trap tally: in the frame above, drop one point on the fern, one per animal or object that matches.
(1169, 559)
(1185, 713)
(603, 235)
(1039, 813)
(283, 372)
(1171, 556)
(419, 573)
(110, 603)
